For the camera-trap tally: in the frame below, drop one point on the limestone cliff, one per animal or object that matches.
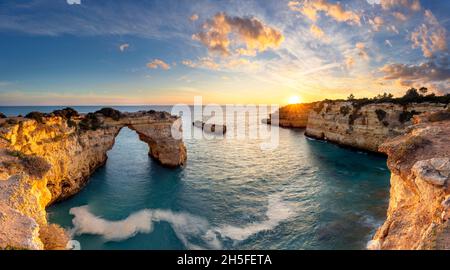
(51, 158)
(419, 206)
(292, 116)
(362, 126)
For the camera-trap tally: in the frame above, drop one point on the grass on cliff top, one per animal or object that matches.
(33, 165)
(412, 95)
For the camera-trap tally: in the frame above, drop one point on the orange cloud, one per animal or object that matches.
(362, 50)
(377, 23)
(223, 31)
(430, 37)
(310, 8)
(158, 63)
(429, 73)
(399, 16)
(410, 4)
(317, 31)
(194, 17)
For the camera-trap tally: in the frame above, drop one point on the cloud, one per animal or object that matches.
(399, 16)
(204, 62)
(311, 8)
(223, 31)
(362, 50)
(74, 2)
(428, 73)
(377, 23)
(124, 47)
(157, 63)
(388, 42)
(317, 31)
(410, 4)
(349, 62)
(194, 17)
(431, 37)
(220, 64)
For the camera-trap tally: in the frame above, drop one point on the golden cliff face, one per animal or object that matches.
(292, 116)
(43, 162)
(419, 206)
(363, 127)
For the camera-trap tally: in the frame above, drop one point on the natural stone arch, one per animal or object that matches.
(69, 150)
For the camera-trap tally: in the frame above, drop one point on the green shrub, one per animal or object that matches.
(38, 116)
(17, 154)
(32, 165)
(355, 115)
(381, 114)
(66, 113)
(110, 112)
(405, 116)
(344, 110)
(90, 122)
(319, 106)
(35, 166)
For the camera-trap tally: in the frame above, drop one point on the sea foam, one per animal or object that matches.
(186, 226)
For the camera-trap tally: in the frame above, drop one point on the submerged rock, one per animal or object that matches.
(210, 128)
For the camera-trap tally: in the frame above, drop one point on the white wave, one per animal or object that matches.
(277, 211)
(186, 226)
(87, 223)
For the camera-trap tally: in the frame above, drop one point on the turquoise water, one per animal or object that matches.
(306, 194)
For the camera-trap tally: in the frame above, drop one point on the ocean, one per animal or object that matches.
(305, 194)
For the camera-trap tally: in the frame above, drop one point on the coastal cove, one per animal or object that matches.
(306, 194)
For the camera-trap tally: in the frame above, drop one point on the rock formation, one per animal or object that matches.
(49, 158)
(419, 206)
(210, 128)
(364, 127)
(291, 116)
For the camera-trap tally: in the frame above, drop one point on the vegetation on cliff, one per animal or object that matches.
(110, 112)
(33, 165)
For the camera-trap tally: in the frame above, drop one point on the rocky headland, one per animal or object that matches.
(46, 158)
(363, 126)
(291, 116)
(419, 206)
(414, 132)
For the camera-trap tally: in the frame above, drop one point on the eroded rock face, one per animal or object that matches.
(419, 206)
(49, 160)
(365, 127)
(292, 116)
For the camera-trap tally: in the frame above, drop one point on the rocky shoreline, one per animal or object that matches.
(416, 138)
(48, 158)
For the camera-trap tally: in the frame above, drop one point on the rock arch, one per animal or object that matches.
(69, 151)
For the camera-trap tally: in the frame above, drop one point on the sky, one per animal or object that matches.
(118, 52)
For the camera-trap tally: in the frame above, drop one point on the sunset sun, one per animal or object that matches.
(294, 100)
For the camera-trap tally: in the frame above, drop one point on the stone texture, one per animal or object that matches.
(292, 116)
(365, 127)
(73, 155)
(417, 216)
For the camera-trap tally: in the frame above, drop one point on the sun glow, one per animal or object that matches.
(294, 100)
